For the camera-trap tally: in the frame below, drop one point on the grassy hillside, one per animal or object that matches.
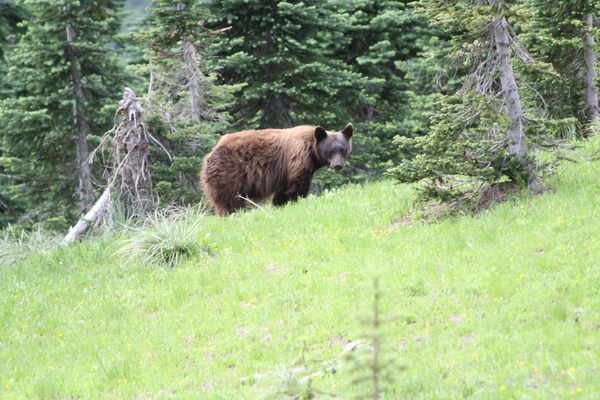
(505, 304)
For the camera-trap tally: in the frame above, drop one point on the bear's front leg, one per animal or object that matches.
(297, 188)
(279, 199)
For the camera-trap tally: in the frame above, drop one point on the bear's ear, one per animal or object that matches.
(320, 134)
(348, 131)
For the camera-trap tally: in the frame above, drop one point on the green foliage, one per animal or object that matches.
(283, 52)
(39, 145)
(187, 108)
(455, 156)
(553, 31)
(11, 14)
(468, 147)
(382, 37)
(176, 168)
(182, 85)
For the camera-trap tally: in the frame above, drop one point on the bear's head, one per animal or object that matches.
(333, 147)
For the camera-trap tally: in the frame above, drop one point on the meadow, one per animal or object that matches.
(504, 304)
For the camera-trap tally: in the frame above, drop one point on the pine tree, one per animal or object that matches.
(565, 34)
(67, 64)
(10, 16)
(181, 82)
(383, 38)
(187, 107)
(479, 131)
(282, 51)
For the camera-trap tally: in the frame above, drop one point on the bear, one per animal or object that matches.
(276, 163)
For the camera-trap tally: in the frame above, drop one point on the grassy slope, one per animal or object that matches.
(502, 305)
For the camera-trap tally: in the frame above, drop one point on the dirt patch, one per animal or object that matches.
(266, 334)
(468, 338)
(402, 222)
(242, 331)
(206, 386)
(457, 319)
(272, 268)
(469, 203)
(248, 304)
(496, 194)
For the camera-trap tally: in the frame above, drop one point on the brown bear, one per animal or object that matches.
(257, 164)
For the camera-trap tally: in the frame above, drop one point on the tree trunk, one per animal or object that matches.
(276, 112)
(515, 136)
(90, 218)
(81, 124)
(189, 58)
(517, 144)
(130, 161)
(590, 57)
(197, 103)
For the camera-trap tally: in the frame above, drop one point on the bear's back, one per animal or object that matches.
(280, 146)
(273, 137)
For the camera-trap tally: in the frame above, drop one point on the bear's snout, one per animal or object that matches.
(337, 166)
(336, 162)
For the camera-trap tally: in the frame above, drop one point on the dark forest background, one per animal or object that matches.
(460, 95)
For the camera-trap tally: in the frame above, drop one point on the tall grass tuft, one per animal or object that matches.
(166, 238)
(19, 244)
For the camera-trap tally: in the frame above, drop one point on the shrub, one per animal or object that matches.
(166, 238)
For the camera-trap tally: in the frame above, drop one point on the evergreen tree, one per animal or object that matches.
(565, 34)
(182, 85)
(10, 16)
(186, 103)
(283, 50)
(479, 131)
(66, 62)
(384, 37)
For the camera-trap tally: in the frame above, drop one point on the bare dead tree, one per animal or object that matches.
(515, 136)
(130, 172)
(130, 151)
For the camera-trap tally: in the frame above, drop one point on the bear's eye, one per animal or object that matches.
(336, 149)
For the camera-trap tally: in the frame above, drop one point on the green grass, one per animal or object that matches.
(505, 304)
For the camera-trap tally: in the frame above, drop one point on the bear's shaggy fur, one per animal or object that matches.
(257, 164)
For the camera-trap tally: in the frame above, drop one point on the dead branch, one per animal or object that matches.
(90, 218)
